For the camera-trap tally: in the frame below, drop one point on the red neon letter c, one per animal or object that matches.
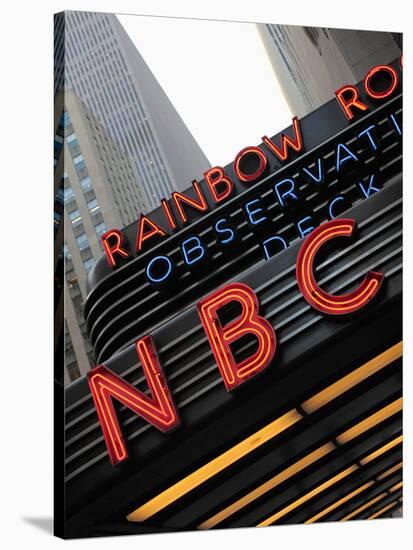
(314, 295)
(248, 323)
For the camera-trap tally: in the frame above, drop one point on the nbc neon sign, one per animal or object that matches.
(159, 409)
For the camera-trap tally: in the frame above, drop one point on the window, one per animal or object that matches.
(93, 205)
(79, 229)
(69, 194)
(65, 119)
(60, 195)
(97, 217)
(79, 162)
(86, 183)
(89, 195)
(88, 264)
(71, 205)
(100, 229)
(75, 216)
(82, 241)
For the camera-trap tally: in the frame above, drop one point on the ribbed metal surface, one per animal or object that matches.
(188, 362)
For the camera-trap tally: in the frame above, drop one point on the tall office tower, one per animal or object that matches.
(98, 188)
(109, 75)
(311, 63)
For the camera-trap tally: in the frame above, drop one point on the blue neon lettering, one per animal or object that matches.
(305, 231)
(370, 189)
(288, 193)
(251, 213)
(224, 230)
(349, 156)
(367, 132)
(167, 273)
(320, 171)
(396, 124)
(272, 239)
(332, 203)
(188, 252)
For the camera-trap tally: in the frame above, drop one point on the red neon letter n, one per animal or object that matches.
(158, 410)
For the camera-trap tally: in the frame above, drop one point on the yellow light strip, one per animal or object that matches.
(385, 448)
(292, 470)
(251, 443)
(396, 487)
(340, 502)
(354, 378)
(268, 485)
(219, 463)
(383, 510)
(390, 472)
(306, 497)
(371, 502)
(320, 488)
(371, 421)
(364, 506)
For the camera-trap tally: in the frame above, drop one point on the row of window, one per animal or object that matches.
(90, 198)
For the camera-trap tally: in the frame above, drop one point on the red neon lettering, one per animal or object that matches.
(385, 93)
(295, 143)
(314, 295)
(352, 100)
(200, 205)
(242, 176)
(249, 322)
(216, 177)
(143, 234)
(116, 247)
(168, 213)
(159, 410)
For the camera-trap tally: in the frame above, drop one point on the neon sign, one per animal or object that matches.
(252, 165)
(159, 409)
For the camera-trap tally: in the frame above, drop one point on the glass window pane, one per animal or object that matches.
(86, 183)
(93, 204)
(88, 264)
(82, 241)
(74, 215)
(100, 229)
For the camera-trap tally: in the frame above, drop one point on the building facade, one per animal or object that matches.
(311, 63)
(105, 70)
(99, 189)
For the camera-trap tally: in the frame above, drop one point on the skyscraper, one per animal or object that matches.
(105, 70)
(311, 63)
(99, 189)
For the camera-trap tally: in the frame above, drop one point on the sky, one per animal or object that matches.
(219, 78)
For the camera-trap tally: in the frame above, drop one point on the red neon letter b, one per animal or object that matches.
(247, 323)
